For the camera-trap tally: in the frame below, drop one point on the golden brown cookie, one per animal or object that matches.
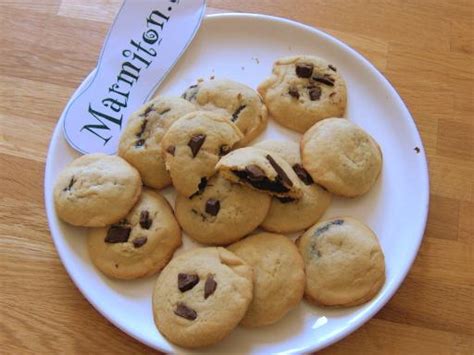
(223, 213)
(341, 156)
(279, 276)
(96, 190)
(141, 244)
(303, 90)
(201, 296)
(344, 262)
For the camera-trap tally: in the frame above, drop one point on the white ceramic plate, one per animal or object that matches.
(243, 47)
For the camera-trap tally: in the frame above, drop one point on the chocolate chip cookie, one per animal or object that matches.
(241, 104)
(289, 215)
(223, 213)
(279, 276)
(201, 295)
(341, 156)
(344, 262)
(141, 244)
(96, 190)
(302, 90)
(261, 170)
(192, 147)
(140, 143)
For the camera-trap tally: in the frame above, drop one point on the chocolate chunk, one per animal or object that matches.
(224, 149)
(254, 173)
(145, 220)
(165, 110)
(195, 143)
(324, 228)
(325, 79)
(202, 185)
(314, 92)
(281, 175)
(213, 206)
(148, 110)
(303, 174)
(285, 199)
(184, 311)
(332, 67)
(139, 143)
(203, 216)
(191, 93)
(142, 128)
(294, 93)
(139, 242)
(171, 149)
(210, 286)
(304, 70)
(236, 113)
(118, 233)
(187, 281)
(260, 182)
(71, 182)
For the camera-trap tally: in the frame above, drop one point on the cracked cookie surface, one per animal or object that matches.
(140, 142)
(239, 103)
(95, 190)
(193, 145)
(261, 170)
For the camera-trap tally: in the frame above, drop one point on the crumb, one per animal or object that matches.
(256, 60)
(200, 80)
(417, 150)
(243, 68)
(212, 77)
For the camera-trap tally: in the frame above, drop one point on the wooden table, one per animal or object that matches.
(425, 48)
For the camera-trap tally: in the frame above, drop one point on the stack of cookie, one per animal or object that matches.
(225, 191)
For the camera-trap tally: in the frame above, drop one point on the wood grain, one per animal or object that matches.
(424, 47)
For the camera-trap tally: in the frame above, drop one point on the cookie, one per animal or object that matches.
(240, 103)
(287, 215)
(201, 295)
(96, 190)
(344, 262)
(141, 244)
(262, 171)
(192, 147)
(303, 90)
(341, 156)
(140, 142)
(279, 276)
(224, 213)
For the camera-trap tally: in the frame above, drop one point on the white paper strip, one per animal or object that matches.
(145, 41)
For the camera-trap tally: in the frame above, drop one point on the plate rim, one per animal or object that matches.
(49, 207)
